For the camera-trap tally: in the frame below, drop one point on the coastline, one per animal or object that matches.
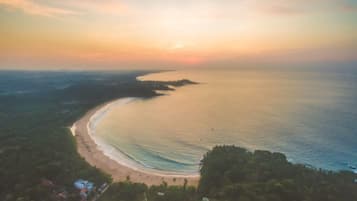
(91, 151)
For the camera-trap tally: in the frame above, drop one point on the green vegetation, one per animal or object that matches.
(233, 173)
(36, 109)
(127, 191)
(38, 156)
(230, 173)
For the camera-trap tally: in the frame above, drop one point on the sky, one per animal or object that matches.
(136, 34)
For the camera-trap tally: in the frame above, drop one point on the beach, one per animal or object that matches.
(91, 152)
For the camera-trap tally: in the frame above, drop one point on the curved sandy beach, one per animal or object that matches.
(90, 151)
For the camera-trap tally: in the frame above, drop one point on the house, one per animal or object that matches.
(84, 187)
(83, 184)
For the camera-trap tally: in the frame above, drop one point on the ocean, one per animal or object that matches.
(310, 115)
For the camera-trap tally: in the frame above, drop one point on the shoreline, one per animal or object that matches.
(91, 151)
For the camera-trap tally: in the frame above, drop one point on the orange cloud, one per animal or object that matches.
(108, 7)
(65, 7)
(33, 8)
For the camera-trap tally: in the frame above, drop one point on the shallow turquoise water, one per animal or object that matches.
(310, 115)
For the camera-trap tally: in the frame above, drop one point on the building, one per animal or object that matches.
(84, 187)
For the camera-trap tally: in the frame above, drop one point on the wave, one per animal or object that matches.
(158, 155)
(117, 154)
(131, 157)
(193, 146)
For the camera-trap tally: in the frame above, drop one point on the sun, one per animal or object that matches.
(178, 45)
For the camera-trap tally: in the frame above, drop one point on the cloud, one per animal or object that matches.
(66, 7)
(298, 7)
(30, 7)
(279, 7)
(284, 10)
(107, 7)
(349, 7)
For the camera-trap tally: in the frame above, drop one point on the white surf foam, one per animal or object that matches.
(116, 154)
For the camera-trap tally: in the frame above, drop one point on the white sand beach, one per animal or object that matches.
(120, 171)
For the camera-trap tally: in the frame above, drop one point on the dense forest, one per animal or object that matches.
(39, 161)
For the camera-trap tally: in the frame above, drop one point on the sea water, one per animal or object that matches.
(309, 115)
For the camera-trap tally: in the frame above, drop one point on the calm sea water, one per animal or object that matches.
(310, 115)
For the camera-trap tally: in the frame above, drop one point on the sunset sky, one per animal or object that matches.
(92, 34)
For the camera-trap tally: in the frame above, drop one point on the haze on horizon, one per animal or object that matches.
(93, 34)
